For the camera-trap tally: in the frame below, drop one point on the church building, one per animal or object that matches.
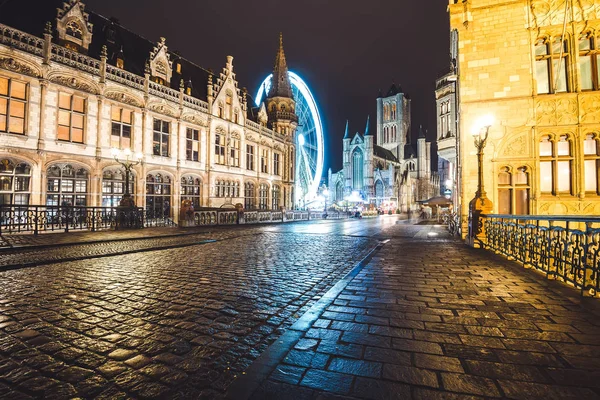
(385, 169)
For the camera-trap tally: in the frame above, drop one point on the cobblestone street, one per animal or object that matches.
(290, 311)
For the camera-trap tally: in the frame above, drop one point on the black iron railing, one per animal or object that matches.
(34, 219)
(563, 247)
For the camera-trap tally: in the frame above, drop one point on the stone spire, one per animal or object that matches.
(367, 132)
(422, 132)
(280, 83)
(347, 131)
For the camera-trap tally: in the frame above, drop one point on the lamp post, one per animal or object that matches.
(480, 203)
(325, 196)
(124, 157)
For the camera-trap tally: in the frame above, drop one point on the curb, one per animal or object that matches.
(243, 387)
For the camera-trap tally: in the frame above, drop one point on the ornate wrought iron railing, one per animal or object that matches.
(453, 222)
(563, 247)
(16, 218)
(234, 217)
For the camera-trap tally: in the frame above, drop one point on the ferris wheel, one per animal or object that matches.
(309, 139)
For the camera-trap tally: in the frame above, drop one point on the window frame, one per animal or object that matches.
(555, 159)
(121, 125)
(9, 100)
(550, 58)
(234, 152)
(592, 157)
(250, 157)
(219, 149)
(192, 137)
(162, 135)
(71, 112)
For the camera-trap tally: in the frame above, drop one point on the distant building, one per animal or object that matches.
(386, 170)
(84, 84)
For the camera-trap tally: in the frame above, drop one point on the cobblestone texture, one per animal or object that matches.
(429, 318)
(178, 323)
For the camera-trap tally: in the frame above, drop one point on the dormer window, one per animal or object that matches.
(120, 63)
(158, 80)
(188, 91)
(74, 30)
(178, 68)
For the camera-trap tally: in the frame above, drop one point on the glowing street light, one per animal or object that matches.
(128, 161)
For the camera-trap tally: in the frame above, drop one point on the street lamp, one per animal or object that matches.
(480, 203)
(124, 157)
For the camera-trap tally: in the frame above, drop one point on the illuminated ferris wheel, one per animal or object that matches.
(309, 139)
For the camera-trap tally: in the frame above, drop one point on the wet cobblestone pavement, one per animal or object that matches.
(175, 323)
(429, 318)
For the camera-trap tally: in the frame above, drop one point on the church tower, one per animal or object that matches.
(281, 107)
(393, 120)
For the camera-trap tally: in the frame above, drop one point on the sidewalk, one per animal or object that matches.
(429, 318)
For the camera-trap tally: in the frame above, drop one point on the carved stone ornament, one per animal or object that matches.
(590, 108)
(235, 135)
(250, 138)
(74, 83)
(517, 147)
(194, 119)
(11, 64)
(162, 109)
(553, 111)
(123, 98)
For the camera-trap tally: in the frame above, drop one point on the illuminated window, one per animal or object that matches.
(13, 101)
(122, 119)
(71, 117)
(236, 116)
(178, 68)
(113, 186)
(74, 30)
(513, 192)
(588, 62)
(228, 102)
(551, 65)
(66, 185)
(276, 159)
(221, 110)
(219, 149)
(357, 170)
(14, 182)
(591, 151)
(160, 139)
(120, 63)
(191, 189)
(555, 165)
(263, 196)
(264, 161)
(234, 150)
(249, 196)
(158, 196)
(192, 149)
(276, 195)
(249, 157)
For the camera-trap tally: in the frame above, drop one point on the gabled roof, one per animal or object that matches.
(386, 154)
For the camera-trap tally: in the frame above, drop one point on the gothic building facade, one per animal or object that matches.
(74, 85)
(386, 170)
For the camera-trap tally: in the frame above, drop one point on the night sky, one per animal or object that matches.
(345, 50)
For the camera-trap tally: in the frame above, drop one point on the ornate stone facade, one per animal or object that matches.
(90, 85)
(533, 65)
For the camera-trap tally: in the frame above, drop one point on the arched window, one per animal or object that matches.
(513, 191)
(379, 192)
(394, 111)
(249, 196)
(357, 170)
(15, 179)
(394, 138)
(588, 61)
(263, 196)
(191, 189)
(73, 29)
(276, 194)
(339, 192)
(591, 152)
(555, 165)
(113, 186)
(551, 65)
(158, 196)
(67, 185)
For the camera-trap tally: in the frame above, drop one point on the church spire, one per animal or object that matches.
(280, 83)
(367, 133)
(347, 132)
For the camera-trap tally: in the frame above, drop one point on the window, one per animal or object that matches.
(291, 163)
(178, 68)
(513, 191)
(263, 196)
(228, 101)
(221, 112)
(276, 194)
(555, 165)
(249, 195)
(121, 128)
(120, 63)
(15, 181)
(276, 163)
(249, 157)
(357, 170)
(551, 65)
(158, 196)
(588, 62)
(220, 149)
(160, 144)
(67, 185)
(113, 186)
(591, 151)
(74, 30)
(71, 116)
(227, 189)
(236, 116)
(264, 157)
(191, 189)
(13, 100)
(192, 147)
(234, 150)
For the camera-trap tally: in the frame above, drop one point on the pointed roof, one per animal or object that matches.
(367, 131)
(393, 90)
(347, 131)
(280, 83)
(422, 132)
(379, 94)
